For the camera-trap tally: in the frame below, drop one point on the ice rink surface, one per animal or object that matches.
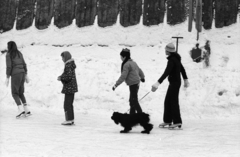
(41, 135)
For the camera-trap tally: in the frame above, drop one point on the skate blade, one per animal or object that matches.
(21, 115)
(178, 127)
(28, 115)
(175, 128)
(164, 126)
(68, 124)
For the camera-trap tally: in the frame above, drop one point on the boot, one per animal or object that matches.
(67, 122)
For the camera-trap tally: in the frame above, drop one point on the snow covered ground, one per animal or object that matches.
(210, 107)
(95, 135)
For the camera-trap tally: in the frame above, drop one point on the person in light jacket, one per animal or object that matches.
(132, 75)
(69, 81)
(16, 68)
(173, 70)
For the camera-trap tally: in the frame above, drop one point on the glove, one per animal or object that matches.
(142, 80)
(59, 78)
(7, 81)
(114, 87)
(186, 83)
(155, 86)
(27, 80)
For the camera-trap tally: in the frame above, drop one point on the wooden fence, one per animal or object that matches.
(106, 12)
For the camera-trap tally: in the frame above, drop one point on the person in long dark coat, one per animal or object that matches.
(69, 81)
(16, 68)
(173, 70)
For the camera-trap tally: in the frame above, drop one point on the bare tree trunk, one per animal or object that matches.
(207, 14)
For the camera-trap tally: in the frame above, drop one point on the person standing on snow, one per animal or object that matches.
(132, 75)
(206, 53)
(16, 68)
(69, 81)
(171, 103)
(196, 54)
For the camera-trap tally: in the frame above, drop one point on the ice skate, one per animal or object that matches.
(68, 122)
(21, 114)
(27, 114)
(163, 125)
(178, 125)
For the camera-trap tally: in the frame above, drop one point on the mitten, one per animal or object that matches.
(155, 86)
(7, 81)
(114, 87)
(27, 80)
(186, 83)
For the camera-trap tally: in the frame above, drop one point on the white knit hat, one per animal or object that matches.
(170, 47)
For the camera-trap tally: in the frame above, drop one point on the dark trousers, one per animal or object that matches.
(17, 86)
(68, 106)
(171, 105)
(134, 104)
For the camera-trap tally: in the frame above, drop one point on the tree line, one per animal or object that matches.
(106, 12)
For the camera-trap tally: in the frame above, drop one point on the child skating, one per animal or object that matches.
(16, 68)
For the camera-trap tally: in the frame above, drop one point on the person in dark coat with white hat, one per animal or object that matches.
(172, 117)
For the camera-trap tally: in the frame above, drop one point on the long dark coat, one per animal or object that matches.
(173, 70)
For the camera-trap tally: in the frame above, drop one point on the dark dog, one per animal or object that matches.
(130, 120)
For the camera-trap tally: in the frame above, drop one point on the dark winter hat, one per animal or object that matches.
(170, 47)
(125, 53)
(66, 55)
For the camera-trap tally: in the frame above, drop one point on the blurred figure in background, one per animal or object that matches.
(206, 53)
(196, 54)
